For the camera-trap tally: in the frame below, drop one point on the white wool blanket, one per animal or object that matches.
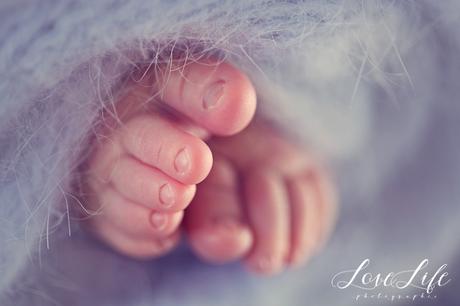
(373, 86)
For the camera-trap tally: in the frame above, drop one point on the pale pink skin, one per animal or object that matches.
(262, 199)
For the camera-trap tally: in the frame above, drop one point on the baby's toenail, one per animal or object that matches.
(166, 195)
(182, 161)
(265, 263)
(158, 221)
(213, 94)
(165, 243)
(227, 223)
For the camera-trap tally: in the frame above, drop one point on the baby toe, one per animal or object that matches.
(161, 144)
(313, 210)
(215, 95)
(215, 223)
(224, 241)
(130, 245)
(164, 224)
(328, 205)
(134, 219)
(150, 187)
(305, 220)
(268, 213)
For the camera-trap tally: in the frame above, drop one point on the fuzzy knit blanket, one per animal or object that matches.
(374, 86)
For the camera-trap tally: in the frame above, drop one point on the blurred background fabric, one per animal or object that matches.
(373, 86)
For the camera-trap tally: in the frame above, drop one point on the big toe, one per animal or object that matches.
(215, 227)
(214, 95)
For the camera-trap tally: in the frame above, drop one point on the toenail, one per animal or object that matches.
(158, 220)
(182, 161)
(166, 195)
(227, 223)
(210, 237)
(266, 263)
(213, 94)
(165, 243)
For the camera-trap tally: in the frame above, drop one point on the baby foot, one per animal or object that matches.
(265, 200)
(148, 157)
